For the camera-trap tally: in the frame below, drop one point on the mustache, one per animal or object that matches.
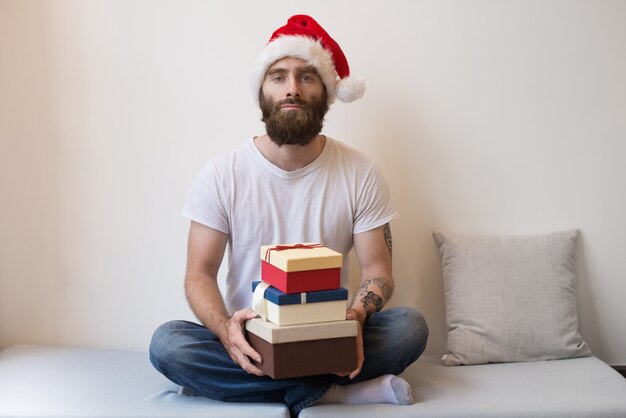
(295, 101)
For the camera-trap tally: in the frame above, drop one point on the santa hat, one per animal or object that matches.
(302, 37)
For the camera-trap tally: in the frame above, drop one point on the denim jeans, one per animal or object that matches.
(190, 355)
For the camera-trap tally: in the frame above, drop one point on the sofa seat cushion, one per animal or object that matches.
(581, 387)
(46, 381)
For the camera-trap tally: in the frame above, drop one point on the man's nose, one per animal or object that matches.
(293, 88)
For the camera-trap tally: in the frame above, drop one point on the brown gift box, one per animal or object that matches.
(304, 350)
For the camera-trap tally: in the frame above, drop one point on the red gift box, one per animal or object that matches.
(301, 268)
(301, 281)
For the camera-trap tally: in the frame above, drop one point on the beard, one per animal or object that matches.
(293, 127)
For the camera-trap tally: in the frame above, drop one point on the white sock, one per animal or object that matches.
(384, 389)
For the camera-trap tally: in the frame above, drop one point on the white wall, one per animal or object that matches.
(486, 116)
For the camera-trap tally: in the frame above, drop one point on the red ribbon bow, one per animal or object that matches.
(289, 247)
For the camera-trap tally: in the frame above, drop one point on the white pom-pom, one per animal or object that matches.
(350, 89)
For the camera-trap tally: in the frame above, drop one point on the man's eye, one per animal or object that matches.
(277, 78)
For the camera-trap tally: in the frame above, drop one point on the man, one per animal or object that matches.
(291, 184)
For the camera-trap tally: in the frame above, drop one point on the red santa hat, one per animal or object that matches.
(302, 37)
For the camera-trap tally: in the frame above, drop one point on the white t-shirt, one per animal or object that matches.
(256, 203)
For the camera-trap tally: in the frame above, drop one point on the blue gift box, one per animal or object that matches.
(280, 298)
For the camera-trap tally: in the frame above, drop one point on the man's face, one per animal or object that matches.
(293, 102)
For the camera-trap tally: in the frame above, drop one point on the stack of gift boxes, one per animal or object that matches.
(302, 329)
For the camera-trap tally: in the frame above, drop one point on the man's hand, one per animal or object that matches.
(353, 315)
(233, 338)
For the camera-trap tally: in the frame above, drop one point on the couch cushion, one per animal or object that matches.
(510, 298)
(44, 381)
(574, 388)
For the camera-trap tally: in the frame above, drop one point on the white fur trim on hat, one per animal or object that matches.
(350, 88)
(303, 47)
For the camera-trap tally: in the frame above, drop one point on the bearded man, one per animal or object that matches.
(291, 184)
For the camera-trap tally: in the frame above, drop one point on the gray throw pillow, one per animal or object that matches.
(510, 298)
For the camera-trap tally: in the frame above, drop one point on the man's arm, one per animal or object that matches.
(373, 251)
(205, 251)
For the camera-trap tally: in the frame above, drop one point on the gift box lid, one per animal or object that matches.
(300, 257)
(275, 334)
(280, 298)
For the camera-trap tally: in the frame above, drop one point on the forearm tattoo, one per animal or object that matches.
(370, 300)
(372, 303)
(387, 233)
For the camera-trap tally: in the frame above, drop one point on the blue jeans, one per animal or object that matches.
(190, 355)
